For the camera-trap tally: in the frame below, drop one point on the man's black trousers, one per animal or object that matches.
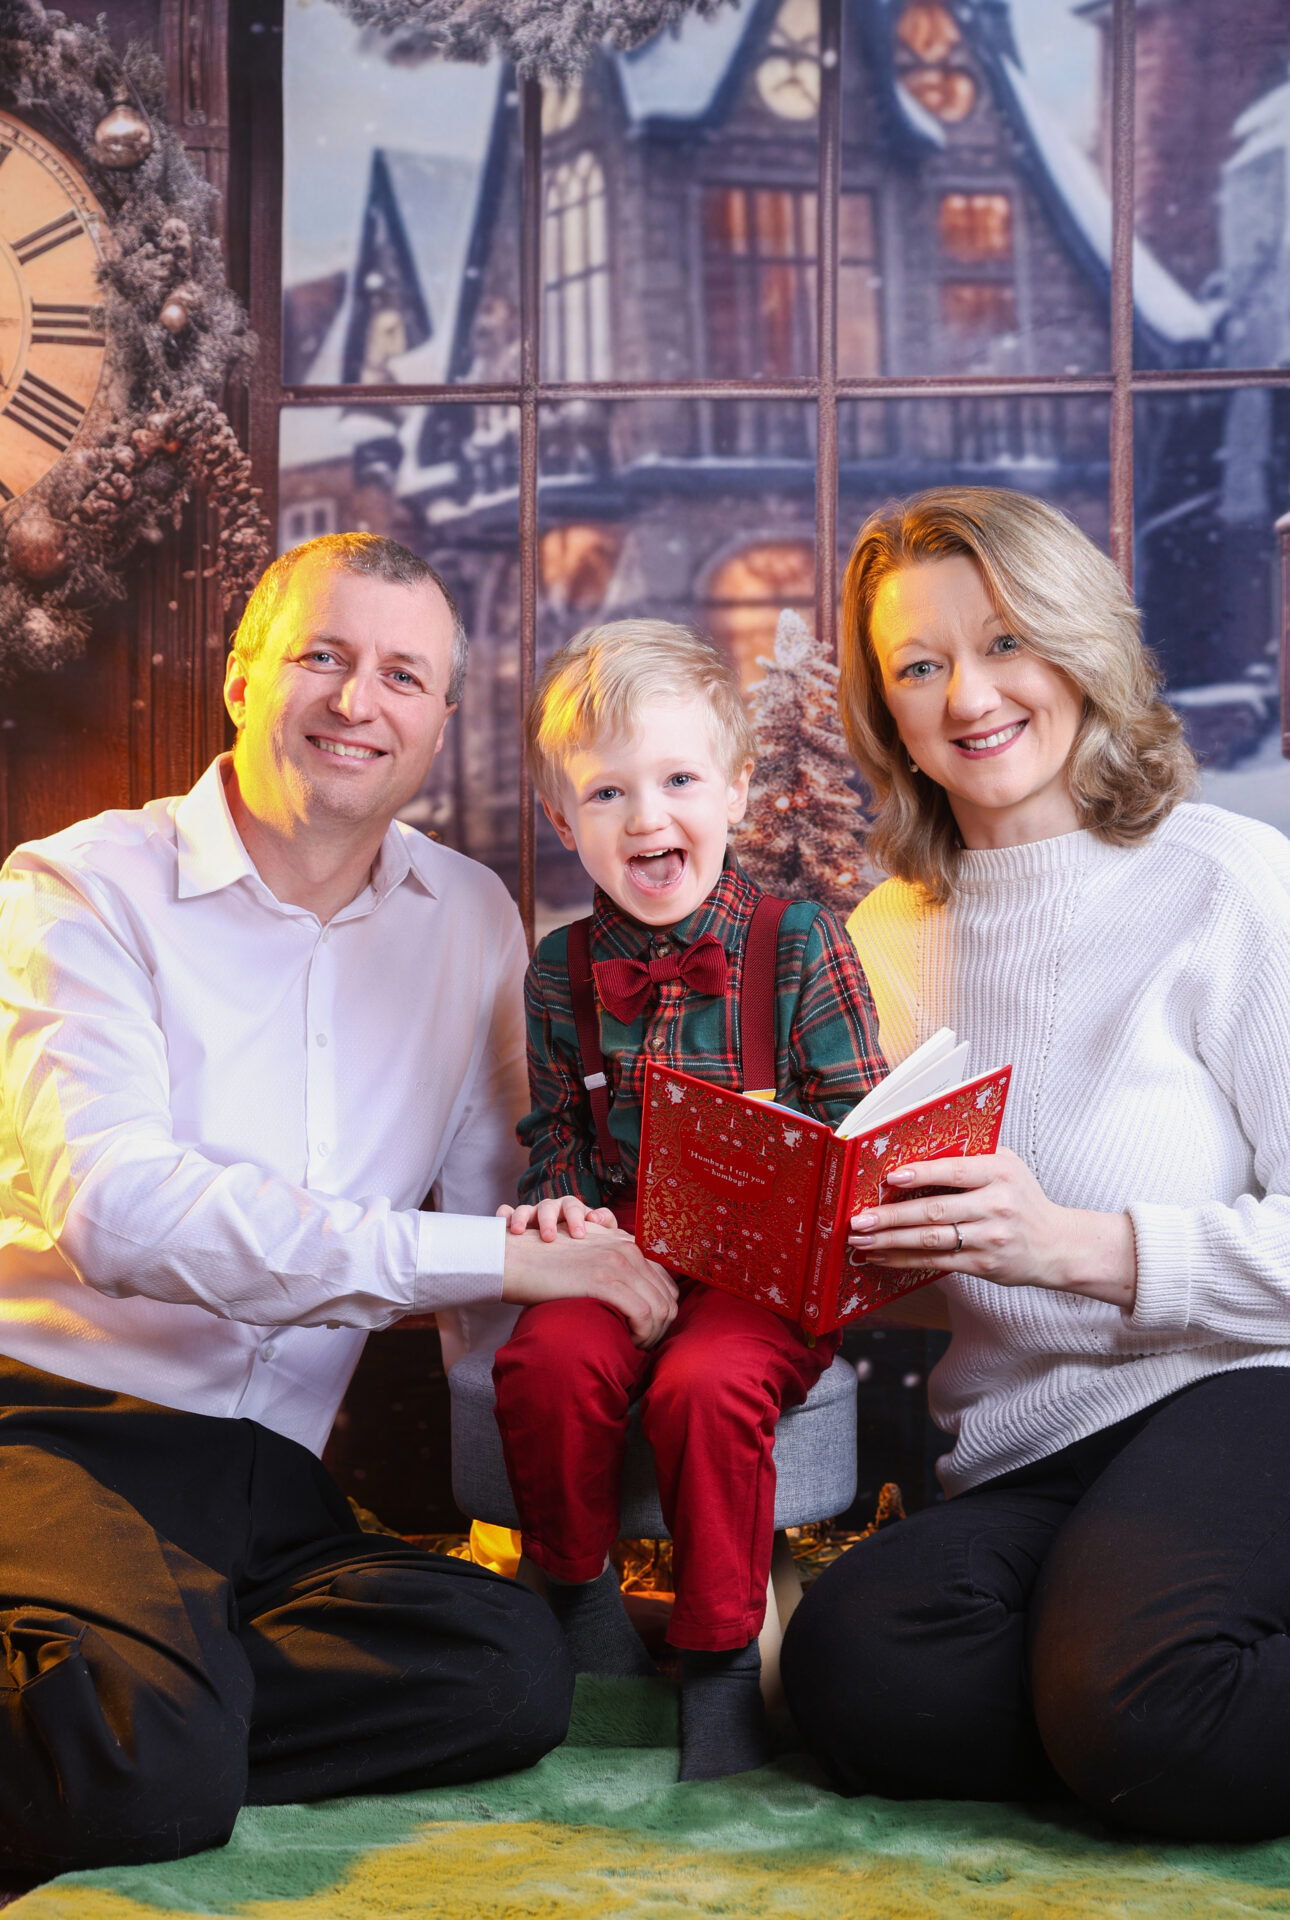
(1115, 1617)
(191, 1620)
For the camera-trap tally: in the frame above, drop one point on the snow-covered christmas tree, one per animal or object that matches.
(804, 835)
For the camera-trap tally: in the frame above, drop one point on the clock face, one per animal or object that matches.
(52, 348)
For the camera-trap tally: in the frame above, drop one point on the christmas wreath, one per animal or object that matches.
(174, 331)
(547, 39)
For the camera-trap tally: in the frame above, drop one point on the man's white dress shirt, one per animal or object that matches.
(220, 1116)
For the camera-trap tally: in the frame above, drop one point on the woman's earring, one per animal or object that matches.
(913, 764)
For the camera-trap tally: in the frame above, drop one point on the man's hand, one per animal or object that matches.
(548, 1214)
(605, 1265)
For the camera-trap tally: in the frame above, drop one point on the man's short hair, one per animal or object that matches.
(606, 675)
(368, 553)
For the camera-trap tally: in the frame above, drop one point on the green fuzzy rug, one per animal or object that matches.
(601, 1828)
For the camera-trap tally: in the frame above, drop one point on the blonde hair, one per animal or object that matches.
(373, 554)
(1129, 764)
(606, 676)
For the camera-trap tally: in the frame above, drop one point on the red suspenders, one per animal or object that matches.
(756, 1014)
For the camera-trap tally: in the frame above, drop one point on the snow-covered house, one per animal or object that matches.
(679, 243)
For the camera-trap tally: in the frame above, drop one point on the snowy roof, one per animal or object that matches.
(435, 199)
(677, 74)
(1164, 306)
(1263, 128)
(435, 194)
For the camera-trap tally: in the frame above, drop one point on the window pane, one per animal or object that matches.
(640, 513)
(443, 480)
(1038, 443)
(700, 237)
(1211, 177)
(400, 258)
(1212, 474)
(990, 251)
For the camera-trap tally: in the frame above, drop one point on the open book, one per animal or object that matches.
(750, 1196)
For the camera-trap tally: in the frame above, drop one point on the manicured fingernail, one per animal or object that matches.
(866, 1219)
(901, 1177)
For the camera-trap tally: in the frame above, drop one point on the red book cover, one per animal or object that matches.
(751, 1197)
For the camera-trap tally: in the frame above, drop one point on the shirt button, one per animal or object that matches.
(268, 1350)
(321, 1038)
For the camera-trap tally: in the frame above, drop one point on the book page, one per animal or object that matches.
(938, 1064)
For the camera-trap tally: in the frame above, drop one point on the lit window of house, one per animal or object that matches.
(788, 79)
(930, 62)
(747, 593)
(575, 255)
(576, 566)
(978, 295)
(759, 282)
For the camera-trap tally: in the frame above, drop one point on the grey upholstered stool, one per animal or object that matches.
(815, 1468)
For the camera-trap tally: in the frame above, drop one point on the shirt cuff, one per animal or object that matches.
(1163, 1300)
(459, 1261)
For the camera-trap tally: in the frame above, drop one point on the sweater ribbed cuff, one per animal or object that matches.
(1163, 1302)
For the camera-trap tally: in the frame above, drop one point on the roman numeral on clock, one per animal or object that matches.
(64, 326)
(45, 411)
(45, 239)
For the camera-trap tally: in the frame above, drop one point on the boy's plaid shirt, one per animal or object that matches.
(826, 1057)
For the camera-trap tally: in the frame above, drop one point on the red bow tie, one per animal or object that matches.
(625, 985)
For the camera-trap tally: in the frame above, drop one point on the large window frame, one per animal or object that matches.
(530, 392)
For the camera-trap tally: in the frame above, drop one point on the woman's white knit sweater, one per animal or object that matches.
(1142, 995)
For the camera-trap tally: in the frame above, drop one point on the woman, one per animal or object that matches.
(1104, 1600)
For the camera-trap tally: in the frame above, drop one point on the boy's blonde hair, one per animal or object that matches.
(1129, 764)
(600, 682)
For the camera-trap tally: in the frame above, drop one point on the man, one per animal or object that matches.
(243, 1033)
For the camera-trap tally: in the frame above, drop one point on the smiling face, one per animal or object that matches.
(978, 712)
(648, 814)
(342, 711)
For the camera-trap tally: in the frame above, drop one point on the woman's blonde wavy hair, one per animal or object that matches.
(1129, 765)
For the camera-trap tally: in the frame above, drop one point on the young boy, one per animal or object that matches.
(642, 754)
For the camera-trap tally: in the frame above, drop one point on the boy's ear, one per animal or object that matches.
(560, 824)
(737, 800)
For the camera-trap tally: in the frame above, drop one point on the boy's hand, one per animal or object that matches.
(548, 1214)
(605, 1264)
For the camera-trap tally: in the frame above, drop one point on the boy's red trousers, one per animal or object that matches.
(710, 1392)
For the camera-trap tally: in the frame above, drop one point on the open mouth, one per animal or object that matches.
(656, 872)
(984, 743)
(346, 749)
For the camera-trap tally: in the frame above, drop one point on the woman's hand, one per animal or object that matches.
(998, 1223)
(548, 1214)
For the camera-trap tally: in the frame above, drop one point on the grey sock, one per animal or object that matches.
(601, 1639)
(723, 1722)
